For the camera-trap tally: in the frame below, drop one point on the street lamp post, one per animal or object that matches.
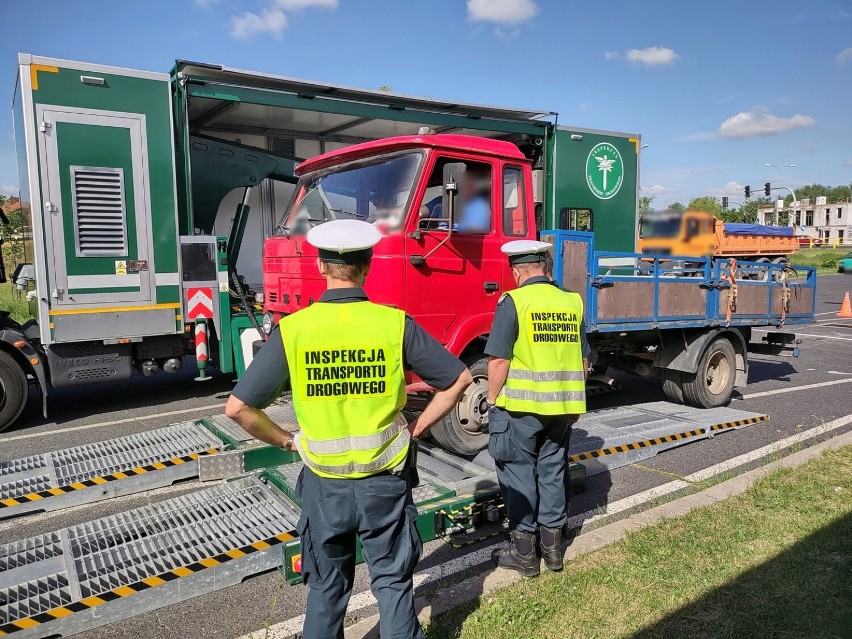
(785, 166)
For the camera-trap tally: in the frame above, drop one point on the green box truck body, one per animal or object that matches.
(146, 198)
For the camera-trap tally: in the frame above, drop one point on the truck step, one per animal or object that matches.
(115, 467)
(101, 571)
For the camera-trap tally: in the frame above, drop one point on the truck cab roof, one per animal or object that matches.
(450, 142)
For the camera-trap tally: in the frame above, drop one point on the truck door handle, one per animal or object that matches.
(490, 287)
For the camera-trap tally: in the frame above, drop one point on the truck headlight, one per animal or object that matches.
(267, 323)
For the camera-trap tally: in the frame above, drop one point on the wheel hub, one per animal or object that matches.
(472, 408)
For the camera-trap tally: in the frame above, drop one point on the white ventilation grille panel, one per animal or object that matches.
(100, 220)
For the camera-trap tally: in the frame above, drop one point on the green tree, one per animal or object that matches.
(811, 192)
(709, 204)
(676, 206)
(645, 204)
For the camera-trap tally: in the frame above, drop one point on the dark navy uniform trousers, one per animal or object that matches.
(529, 452)
(380, 511)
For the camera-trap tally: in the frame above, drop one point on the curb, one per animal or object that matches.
(480, 585)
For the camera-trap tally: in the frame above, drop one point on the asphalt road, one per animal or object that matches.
(102, 412)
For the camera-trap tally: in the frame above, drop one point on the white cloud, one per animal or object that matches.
(9, 189)
(652, 56)
(844, 56)
(657, 189)
(295, 5)
(610, 55)
(271, 21)
(750, 125)
(501, 11)
(731, 189)
(205, 4)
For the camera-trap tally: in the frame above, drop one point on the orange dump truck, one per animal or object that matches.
(698, 233)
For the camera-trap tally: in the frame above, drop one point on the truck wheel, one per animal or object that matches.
(14, 390)
(672, 385)
(711, 386)
(763, 274)
(464, 431)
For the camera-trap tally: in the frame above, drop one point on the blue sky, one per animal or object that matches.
(716, 89)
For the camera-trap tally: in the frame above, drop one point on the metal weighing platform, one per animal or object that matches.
(101, 571)
(121, 466)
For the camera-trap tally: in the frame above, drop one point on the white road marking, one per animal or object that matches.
(111, 423)
(774, 447)
(781, 391)
(827, 313)
(836, 373)
(365, 599)
(845, 339)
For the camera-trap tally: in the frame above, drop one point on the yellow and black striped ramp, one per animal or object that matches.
(610, 438)
(100, 470)
(100, 481)
(63, 597)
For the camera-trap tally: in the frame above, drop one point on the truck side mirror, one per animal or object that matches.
(453, 179)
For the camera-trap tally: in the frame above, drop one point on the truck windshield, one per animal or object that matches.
(659, 226)
(376, 191)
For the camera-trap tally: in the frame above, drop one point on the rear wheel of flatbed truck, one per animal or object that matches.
(712, 384)
(464, 430)
(14, 390)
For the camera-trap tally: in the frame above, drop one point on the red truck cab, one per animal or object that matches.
(448, 275)
(448, 281)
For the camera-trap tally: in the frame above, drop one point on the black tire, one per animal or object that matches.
(14, 390)
(672, 385)
(712, 385)
(464, 431)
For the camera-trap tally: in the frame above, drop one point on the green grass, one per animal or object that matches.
(816, 256)
(9, 301)
(772, 562)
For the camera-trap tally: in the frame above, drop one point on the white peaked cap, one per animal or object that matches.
(337, 238)
(520, 251)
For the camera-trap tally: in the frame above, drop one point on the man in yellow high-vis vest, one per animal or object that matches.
(344, 359)
(536, 392)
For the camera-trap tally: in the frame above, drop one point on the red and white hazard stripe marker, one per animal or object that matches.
(201, 352)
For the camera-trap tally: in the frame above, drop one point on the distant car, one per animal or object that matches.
(805, 241)
(845, 265)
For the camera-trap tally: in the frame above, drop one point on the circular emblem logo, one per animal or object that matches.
(604, 170)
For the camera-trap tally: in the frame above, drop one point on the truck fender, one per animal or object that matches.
(461, 335)
(10, 341)
(682, 350)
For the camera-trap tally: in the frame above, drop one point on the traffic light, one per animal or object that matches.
(767, 189)
(724, 202)
(748, 191)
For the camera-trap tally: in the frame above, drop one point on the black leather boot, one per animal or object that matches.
(519, 554)
(551, 547)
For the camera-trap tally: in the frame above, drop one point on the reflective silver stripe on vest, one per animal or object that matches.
(357, 442)
(547, 376)
(378, 464)
(544, 397)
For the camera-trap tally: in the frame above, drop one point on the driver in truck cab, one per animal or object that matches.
(344, 357)
(536, 391)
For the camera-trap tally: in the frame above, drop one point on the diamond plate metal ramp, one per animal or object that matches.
(609, 438)
(613, 437)
(99, 572)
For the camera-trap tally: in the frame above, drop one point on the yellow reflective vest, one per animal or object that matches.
(546, 374)
(345, 363)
